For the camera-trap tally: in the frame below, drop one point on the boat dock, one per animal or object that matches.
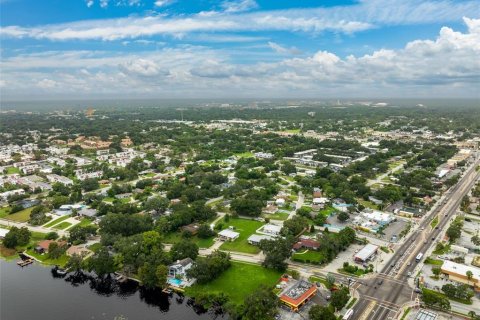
(26, 262)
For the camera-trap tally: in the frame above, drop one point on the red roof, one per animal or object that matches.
(306, 243)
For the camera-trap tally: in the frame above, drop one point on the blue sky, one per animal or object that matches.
(239, 48)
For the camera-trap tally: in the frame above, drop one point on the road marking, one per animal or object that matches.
(382, 302)
(367, 311)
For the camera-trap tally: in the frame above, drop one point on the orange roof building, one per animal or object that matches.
(297, 293)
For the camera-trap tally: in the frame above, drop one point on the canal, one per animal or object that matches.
(34, 292)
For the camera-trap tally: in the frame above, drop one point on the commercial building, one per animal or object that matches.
(297, 293)
(458, 272)
(366, 254)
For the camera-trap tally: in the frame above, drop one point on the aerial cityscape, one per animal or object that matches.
(240, 159)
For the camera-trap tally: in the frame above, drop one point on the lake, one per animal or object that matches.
(34, 292)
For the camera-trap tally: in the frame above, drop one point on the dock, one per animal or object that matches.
(26, 262)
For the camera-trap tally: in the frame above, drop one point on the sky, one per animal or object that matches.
(90, 49)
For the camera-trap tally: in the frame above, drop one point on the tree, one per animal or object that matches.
(476, 240)
(90, 184)
(340, 298)
(79, 234)
(318, 312)
(436, 271)
(204, 231)
(288, 168)
(52, 235)
(125, 224)
(330, 280)
(209, 268)
(184, 249)
(153, 275)
(247, 207)
(157, 204)
(55, 250)
(469, 276)
(276, 252)
(17, 237)
(261, 304)
(433, 299)
(294, 225)
(74, 263)
(343, 216)
(38, 216)
(102, 263)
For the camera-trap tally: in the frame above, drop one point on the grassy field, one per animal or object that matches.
(12, 170)
(367, 204)
(307, 256)
(44, 258)
(108, 199)
(4, 211)
(84, 222)
(20, 216)
(434, 262)
(54, 222)
(291, 131)
(277, 216)
(175, 237)
(244, 155)
(238, 281)
(440, 294)
(62, 225)
(246, 228)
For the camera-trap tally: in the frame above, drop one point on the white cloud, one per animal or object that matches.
(46, 84)
(447, 66)
(282, 50)
(238, 6)
(365, 15)
(89, 3)
(163, 3)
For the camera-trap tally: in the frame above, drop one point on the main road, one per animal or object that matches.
(382, 297)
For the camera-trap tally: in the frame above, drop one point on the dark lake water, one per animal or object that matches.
(34, 292)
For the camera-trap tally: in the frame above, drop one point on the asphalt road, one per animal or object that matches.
(384, 301)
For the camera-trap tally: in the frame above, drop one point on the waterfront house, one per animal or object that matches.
(179, 268)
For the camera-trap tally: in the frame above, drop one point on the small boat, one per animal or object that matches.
(167, 291)
(120, 277)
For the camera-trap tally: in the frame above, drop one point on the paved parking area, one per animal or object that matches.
(394, 228)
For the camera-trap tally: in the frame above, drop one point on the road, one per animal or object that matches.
(41, 229)
(384, 301)
(378, 179)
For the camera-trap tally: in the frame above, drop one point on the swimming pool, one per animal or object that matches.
(175, 282)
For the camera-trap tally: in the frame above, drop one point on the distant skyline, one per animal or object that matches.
(91, 49)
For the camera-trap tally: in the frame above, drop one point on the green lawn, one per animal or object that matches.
(108, 199)
(244, 154)
(291, 131)
(277, 216)
(440, 294)
(238, 281)
(150, 175)
(434, 222)
(321, 280)
(62, 225)
(20, 216)
(44, 258)
(367, 204)
(54, 222)
(246, 228)
(175, 237)
(307, 256)
(12, 170)
(84, 222)
(434, 262)
(95, 247)
(4, 211)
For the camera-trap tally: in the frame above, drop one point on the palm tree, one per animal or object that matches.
(472, 314)
(469, 276)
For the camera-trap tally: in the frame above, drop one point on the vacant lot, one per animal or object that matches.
(20, 216)
(308, 256)
(238, 281)
(246, 228)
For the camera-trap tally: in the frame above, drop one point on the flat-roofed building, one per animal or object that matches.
(367, 253)
(297, 293)
(228, 235)
(458, 272)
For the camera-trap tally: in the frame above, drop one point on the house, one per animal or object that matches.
(60, 179)
(228, 235)
(179, 268)
(87, 212)
(255, 239)
(320, 201)
(192, 228)
(367, 253)
(3, 232)
(306, 244)
(42, 246)
(280, 202)
(127, 195)
(271, 229)
(270, 209)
